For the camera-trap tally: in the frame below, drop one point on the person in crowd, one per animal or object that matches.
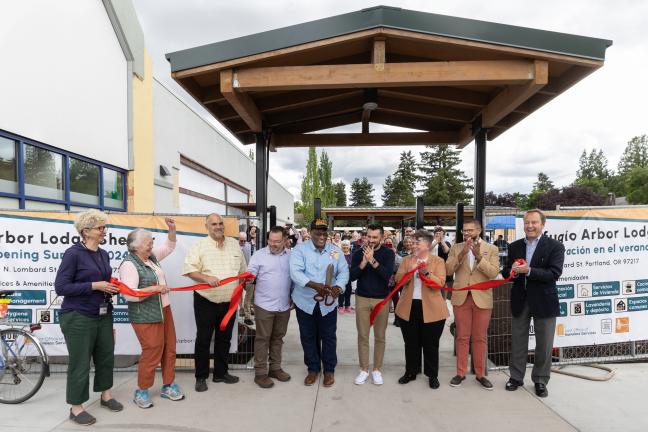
(471, 262)
(501, 243)
(392, 280)
(210, 259)
(83, 279)
(409, 232)
(319, 273)
(534, 296)
(406, 247)
(245, 246)
(337, 239)
(271, 267)
(440, 247)
(292, 233)
(422, 311)
(248, 309)
(344, 301)
(359, 243)
(303, 235)
(372, 267)
(151, 316)
(252, 237)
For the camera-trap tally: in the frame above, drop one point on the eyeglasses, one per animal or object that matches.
(100, 228)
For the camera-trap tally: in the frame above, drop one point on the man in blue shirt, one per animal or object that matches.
(314, 298)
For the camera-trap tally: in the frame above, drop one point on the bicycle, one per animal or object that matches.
(23, 360)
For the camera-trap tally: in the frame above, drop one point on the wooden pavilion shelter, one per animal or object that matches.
(451, 80)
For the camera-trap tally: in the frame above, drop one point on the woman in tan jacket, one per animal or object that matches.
(422, 311)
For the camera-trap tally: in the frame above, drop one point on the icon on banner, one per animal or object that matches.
(44, 316)
(606, 326)
(577, 308)
(584, 290)
(622, 325)
(55, 300)
(628, 287)
(620, 305)
(560, 329)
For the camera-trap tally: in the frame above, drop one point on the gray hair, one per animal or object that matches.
(345, 243)
(134, 239)
(90, 219)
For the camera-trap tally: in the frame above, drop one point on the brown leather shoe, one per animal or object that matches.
(263, 381)
(329, 379)
(311, 378)
(280, 375)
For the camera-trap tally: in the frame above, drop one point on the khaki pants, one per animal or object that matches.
(363, 308)
(271, 328)
(247, 303)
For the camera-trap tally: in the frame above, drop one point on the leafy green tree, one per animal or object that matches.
(310, 187)
(362, 193)
(638, 186)
(443, 182)
(340, 194)
(593, 172)
(540, 187)
(635, 155)
(326, 183)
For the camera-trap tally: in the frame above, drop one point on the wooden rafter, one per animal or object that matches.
(240, 101)
(494, 72)
(360, 139)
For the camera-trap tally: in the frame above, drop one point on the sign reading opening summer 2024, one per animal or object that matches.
(603, 290)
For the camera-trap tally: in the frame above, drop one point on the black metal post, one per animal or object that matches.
(420, 223)
(317, 208)
(261, 188)
(480, 174)
(273, 216)
(459, 216)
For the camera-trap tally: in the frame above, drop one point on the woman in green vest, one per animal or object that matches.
(151, 316)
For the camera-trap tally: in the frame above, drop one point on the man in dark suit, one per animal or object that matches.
(534, 296)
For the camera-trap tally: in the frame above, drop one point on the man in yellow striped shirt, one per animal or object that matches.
(209, 260)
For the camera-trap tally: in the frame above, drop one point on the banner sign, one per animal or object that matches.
(32, 245)
(603, 290)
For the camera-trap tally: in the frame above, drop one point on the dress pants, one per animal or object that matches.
(271, 328)
(472, 323)
(364, 307)
(421, 336)
(208, 317)
(545, 328)
(318, 339)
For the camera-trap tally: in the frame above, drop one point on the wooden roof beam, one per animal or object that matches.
(360, 139)
(240, 101)
(459, 73)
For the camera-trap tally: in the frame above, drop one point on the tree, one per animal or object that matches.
(638, 186)
(398, 189)
(592, 166)
(340, 194)
(310, 187)
(327, 194)
(569, 196)
(540, 187)
(502, 200)
(443, 182)
(362, 193)
(635, 155)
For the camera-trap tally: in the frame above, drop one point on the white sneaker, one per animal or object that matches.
(376, 376)
(361, 378)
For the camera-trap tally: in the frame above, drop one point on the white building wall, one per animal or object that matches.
(64, 77)
(179, 130)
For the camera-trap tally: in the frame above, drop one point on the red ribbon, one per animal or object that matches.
(480, 286)
(234, 301)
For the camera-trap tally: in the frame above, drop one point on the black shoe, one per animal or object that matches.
(513, 384)
(457, 380)
(541, 390)
(201, 385)
(434, 383)
(406, 378)
(227, 379)
(397, 323)
(248, 321)
(486, 385)
(83, 418)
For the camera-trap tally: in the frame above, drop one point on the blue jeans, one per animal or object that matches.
(317, 334)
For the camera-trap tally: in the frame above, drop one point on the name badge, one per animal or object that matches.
(103, 309)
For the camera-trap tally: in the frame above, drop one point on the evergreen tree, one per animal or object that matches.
(399, 189)
(310, 187)
(540, 188)
(635, 155)
(443, 182)
(326, 183)
(362, 193)
(340, 194)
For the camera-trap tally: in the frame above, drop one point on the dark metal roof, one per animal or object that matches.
(395, 18)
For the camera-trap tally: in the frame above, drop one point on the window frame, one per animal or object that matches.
(67, 202)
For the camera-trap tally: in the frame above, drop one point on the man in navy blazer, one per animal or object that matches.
(534, 296)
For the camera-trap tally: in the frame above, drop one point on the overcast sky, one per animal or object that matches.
(603, 111)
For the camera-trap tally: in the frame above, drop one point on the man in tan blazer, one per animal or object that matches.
(472, 261)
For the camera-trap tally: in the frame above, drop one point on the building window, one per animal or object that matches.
(113, 186)
(43, 173)
(8, 166)
(84, 182)
(39, 176)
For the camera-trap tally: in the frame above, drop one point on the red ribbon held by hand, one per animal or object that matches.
(234, 301)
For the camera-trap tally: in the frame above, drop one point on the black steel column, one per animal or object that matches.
(261, 188)
(480, 174)
(459, 216)
(273, 216)
(317, 209)
(420, 222)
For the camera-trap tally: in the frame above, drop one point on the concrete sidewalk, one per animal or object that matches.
(573, 404)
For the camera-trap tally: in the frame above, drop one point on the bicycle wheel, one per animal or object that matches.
(25, 366)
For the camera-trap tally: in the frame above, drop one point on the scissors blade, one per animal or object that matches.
(329, 274)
